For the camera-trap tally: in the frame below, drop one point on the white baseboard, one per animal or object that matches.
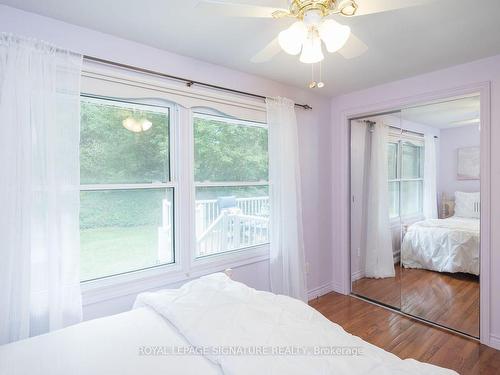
(319, 291)
(357, 275)
(495, 342)
(338, 288)
(396, 255)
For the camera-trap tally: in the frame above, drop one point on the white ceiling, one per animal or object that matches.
(401, 43)
(445, 115)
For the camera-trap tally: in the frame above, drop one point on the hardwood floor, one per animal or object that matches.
(386, 290)
(451, 300)
(408, 338)
(448, 299)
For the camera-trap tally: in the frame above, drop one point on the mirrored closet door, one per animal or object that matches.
(415, 211)
(375, 226)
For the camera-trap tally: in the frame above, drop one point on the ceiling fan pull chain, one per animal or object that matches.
(320, 83)
(313, 82)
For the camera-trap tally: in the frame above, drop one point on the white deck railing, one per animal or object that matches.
(231, 231)
(220, 231)
(208, 210)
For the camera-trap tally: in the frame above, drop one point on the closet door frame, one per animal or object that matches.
(484, 90)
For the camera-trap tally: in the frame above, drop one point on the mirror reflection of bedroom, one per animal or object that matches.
(415, 211)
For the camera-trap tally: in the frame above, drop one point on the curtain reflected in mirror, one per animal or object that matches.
(374, 265)
(415, 211)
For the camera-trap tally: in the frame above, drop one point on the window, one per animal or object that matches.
(405, 172)
(127, 193)
(231, 184)
(167, 191)
(412, 181)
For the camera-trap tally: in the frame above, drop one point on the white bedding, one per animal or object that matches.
(212, 311)
(444, 245)
(215, 313)
(106, 346)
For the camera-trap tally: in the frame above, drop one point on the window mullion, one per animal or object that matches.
(184, 164)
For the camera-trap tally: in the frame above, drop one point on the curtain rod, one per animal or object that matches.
(410, 131)
(371, 123)
(189, 82)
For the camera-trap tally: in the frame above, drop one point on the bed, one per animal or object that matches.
(104, 346)
(446, 245)
(211, 325)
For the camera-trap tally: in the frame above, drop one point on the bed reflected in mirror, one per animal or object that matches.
(415, 211)
(440, 252)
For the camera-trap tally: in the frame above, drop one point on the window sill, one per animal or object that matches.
(235, 258)
(396, 221)
(168, 276)
(412, 218)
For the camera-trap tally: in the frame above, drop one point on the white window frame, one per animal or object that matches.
(182, 102)
(399, 138)
(173, 183)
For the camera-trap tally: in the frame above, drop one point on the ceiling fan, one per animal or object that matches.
(313, 26)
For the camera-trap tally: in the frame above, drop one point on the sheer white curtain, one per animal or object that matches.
(287, 274)
(39, 189)
(379, 262)
(430, 190)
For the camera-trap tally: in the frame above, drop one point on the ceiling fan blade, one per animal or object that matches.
(353, 48)
(377, 6)
(268, 52)
(231, 9)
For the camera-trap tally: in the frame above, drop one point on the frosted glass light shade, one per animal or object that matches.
(146, 125)
(130, 124)
(291, 39)
(136, 126)
(311, 50)
(334, 34)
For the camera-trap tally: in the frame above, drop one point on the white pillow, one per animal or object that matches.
(467, 204)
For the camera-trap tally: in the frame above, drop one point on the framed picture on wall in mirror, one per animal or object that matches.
(468, 163)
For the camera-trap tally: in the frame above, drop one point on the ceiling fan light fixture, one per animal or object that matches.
(311, 49)
(146, 125)
(334, 35)
(130, 124)
(291, 39)
(312, 17)
(135, 126)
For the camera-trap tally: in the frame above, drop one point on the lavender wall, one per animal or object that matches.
(385, 96)
(314, 130)
(450, 140)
